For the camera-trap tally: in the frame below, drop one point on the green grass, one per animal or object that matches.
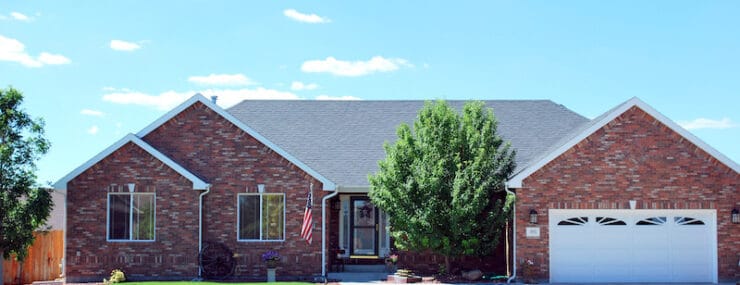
(208, 283)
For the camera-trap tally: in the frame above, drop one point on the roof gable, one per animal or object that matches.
(198, 184)
(327, 184)
(601, 121)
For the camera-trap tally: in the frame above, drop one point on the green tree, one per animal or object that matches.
(24, 206)
(442, 183)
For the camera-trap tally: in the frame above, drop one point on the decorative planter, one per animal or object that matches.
(272, 263)
(270, 274)
(390, 267)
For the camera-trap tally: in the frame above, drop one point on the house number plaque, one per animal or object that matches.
(532, 232)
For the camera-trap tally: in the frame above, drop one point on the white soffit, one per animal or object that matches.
(198, 184)
(328, 184)
(516, 181)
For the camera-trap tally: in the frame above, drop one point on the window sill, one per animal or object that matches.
(129, 240)
(260, 240)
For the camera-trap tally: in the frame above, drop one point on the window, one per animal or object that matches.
(606, 221)
(652, 221)
(131, 216)
(577, 221)
(261, 217)
(686, 221)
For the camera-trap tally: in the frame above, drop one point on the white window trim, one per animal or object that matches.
(131, 217)
(238, 217)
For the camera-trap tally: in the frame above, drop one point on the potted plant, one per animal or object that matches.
(271, 259)
(390, 262)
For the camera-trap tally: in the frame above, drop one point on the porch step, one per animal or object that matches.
(365, 268)
(364, 277)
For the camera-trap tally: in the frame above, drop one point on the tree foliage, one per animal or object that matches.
(442, 183)
(23, 205)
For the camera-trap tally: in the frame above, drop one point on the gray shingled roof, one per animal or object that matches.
(343, 140)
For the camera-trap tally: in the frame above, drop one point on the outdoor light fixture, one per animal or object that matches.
(261, 188)
(532, 216)
(735, 216)
(131, 187)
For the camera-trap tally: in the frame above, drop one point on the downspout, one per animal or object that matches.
(200, 228)
(513, 237)
(323, 230)
(64, 244)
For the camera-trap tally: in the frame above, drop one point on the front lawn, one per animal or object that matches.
(209, 283)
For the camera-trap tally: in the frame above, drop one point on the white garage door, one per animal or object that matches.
(633, 245)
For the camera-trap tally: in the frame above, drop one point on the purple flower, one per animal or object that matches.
(270, 255)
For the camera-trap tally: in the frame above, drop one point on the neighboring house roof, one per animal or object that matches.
(344, 139)
(586, 130)
(198, 184)
(327, 183)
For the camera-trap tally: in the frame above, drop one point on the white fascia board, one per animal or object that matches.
(516, 181)
(328, 184)
(198, 184)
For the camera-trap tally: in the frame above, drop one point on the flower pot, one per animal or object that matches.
(271, 274)
(271, 264)
(390, 267)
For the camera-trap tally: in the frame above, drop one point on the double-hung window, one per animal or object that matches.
(131, 216)
(261, 217)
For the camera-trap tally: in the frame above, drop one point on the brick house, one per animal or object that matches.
(202, 177)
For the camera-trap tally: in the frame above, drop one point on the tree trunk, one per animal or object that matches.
(447, 265)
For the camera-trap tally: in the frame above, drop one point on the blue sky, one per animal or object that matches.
(98, 71)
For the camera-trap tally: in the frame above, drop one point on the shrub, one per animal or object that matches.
(116, 276)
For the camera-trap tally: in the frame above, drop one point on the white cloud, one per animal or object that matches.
(168, 100)
(93, 130)
(47, 58)
(298, 86)
(354, 68)
(120, 45)
(222, 80)
(20, 17)
(346, 98)
(305, 18)
(163, 101)
(704, 123)
(14, 51)
(94, 113)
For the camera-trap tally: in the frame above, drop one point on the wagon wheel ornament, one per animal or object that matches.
(216, 261)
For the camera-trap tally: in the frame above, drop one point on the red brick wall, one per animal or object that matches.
(219, 153)
(232, 161)
(90, 257)
(634, 157)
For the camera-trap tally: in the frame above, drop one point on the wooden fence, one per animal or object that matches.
(42, 262)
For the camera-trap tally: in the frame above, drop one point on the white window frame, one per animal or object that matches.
(131, 218)
(238, 217)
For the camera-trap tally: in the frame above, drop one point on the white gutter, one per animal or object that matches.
(323, 230)
(200, 227)
(513, 238)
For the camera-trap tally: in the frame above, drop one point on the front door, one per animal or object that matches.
(363, 227)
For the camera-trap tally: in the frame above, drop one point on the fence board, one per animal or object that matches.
(42, 262)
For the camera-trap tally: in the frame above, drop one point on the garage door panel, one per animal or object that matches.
(692, 257)
(690, 274)
(573, 258)
(611, 275)
(646, 272)
(611, 257)
(577, 239)
(633, 246)
(649, 258)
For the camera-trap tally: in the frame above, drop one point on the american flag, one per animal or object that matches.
(307, 227)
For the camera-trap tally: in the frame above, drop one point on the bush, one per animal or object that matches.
(116, 276)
